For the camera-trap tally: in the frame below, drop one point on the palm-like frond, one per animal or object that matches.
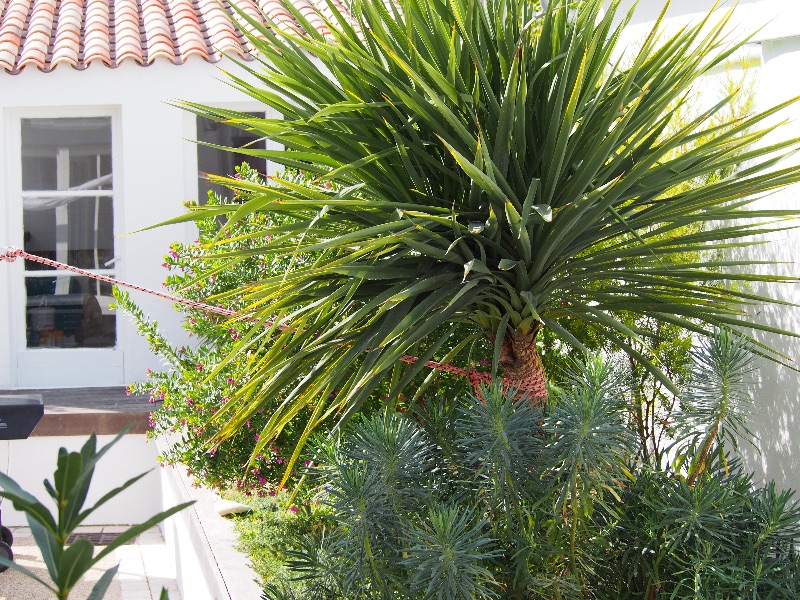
(492, 164)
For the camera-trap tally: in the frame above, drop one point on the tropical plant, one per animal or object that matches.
(667, 344)
(499, 169)
(198, 379)
(501, 498)
(67, 564)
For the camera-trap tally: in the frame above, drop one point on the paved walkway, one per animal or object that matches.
(145, 567)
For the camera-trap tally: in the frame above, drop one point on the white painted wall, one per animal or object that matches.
(777, 392)
(155, 170)
(202, 544)
(776, 389)
(29, 462)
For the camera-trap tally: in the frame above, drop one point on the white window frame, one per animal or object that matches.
(58, 367)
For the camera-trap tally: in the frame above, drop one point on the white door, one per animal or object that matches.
(66, 331)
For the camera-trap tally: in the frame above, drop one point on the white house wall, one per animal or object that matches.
(777, 392)
(155, 170)
(776, 389)
(29, 462)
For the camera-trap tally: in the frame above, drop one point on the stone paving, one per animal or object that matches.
(145, 567)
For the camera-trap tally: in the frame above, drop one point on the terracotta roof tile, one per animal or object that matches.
(47, 33)
(279, 15)
(67, 41)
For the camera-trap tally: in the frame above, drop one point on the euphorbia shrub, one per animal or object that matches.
(494, 497)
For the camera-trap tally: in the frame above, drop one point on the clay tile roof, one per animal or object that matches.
(46, 33)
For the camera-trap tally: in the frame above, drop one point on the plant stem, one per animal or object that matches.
(699, 464)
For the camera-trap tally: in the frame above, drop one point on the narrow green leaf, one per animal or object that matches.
(507, 264)
(498, 343)
(101, 587)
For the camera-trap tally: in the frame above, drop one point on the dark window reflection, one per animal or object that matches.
(77, 317)
(68, 216)
(63, 154)
(220, 162)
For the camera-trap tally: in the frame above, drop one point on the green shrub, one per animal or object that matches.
(266, 531)
(495, 497)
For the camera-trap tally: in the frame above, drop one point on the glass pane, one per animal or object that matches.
(220, 162)
(68, 311)
(76, 230)
(64, 154)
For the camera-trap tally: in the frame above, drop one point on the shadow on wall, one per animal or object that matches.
(775, 419)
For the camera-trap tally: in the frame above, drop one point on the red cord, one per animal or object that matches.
(534, 385)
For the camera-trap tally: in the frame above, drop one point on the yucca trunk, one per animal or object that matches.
(522, 365)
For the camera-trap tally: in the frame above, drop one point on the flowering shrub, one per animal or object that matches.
(191, 389)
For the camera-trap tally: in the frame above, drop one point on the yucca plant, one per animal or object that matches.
(500, 168)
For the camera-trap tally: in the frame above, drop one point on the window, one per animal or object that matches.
(220, 162)
(68, 216)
